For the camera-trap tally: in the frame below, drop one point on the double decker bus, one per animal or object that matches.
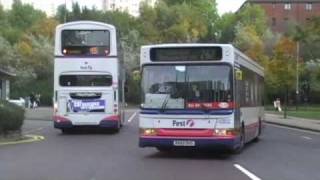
(199, 96)
(88, 76)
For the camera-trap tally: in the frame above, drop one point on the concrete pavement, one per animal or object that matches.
(306, 124)
(40, 113)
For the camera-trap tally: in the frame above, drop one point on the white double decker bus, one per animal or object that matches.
(200, 96)
(88, 76)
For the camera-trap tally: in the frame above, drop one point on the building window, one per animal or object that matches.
(287, 6)
(308, 6)
(273, 5)
(274, 21)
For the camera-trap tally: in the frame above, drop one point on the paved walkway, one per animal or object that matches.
(307, 124)
(40, 113)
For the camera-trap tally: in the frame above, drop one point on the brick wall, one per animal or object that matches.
(279, 17)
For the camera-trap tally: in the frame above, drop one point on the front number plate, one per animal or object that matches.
(184, 143)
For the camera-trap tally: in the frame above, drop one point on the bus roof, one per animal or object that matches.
(243, 60)
(186, 45)
(84, 25)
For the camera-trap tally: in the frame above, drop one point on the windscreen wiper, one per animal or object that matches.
(165, 102)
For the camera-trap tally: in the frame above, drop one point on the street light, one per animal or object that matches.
(297, 75)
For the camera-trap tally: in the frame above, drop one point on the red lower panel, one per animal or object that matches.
(112, 118)
(185, 132)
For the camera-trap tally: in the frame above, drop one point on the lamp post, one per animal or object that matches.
(65, 11)
(297, 75)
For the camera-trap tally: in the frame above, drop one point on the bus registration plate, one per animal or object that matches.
(184, 143)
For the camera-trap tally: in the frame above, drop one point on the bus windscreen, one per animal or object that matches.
(85, 42)
(186, 86)
(186, 54)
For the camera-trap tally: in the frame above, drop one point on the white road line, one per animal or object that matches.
(246, 172)
(132, 117)
(306, 137)
(294, 129)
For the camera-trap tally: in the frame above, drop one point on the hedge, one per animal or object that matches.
(11, 117)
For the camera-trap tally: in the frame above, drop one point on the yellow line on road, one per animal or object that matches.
(31, 138)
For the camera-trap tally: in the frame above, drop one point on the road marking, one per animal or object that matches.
(33, 130)
(132, 117)
(306, 137)
(31, 138)
(246, 172)
(294, 129)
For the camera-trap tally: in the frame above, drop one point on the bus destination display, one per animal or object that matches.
(186, 54)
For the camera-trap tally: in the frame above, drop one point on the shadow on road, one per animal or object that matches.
(193, 154)
(88, 131)
(216, 154)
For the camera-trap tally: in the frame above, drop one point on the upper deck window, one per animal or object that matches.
(85, 42)
(186, 54)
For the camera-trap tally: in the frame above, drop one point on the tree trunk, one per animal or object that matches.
(285, 102)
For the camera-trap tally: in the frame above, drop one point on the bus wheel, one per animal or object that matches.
(117, 129)
(66, 131)
(240, 147)
(122, 119)
(256, 139)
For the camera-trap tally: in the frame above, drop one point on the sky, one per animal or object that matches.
(49, 5)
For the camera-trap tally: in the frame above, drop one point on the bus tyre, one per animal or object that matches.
(256, 139)
(117, 129)
(240, 147)
(122, 118)
(65, 131)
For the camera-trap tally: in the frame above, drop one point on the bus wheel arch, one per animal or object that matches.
(238, 149)
(257, 138)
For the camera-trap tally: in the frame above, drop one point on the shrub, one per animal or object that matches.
(11, 117)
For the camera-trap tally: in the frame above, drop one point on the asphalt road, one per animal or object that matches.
(281, 154)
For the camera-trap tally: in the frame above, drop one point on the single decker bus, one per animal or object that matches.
(199, 96)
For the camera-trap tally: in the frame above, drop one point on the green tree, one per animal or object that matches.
(280, 70)
(21, 17)
(226, 27)
(252, 16)
(248, 40)
(8, 58)
(175, 22)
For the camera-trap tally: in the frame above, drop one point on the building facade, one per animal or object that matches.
(130, 6)
(5, 84)
(282, 13)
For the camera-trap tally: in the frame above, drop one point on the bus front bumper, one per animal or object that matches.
(199, 142)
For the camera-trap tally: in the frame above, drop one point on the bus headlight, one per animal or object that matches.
(148, 132)
(220, 132)
(225, 132)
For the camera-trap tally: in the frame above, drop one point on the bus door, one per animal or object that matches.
(237, 96)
